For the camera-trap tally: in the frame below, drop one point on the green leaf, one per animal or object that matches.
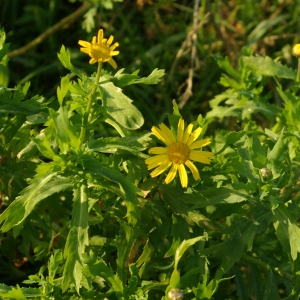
(119, 107)
(215, 196)
(77, 240)
(55, 261)
(171, 195)
(179, 233)
(4, 74)
(232, 138)
(224, 63)
(11, 292)
(63, 89)
(287, 230)
(65, 58)
(271, 290)
(184, 246)
(295, 293)
(125, 248)
(44, 146)
(38, 189)
(65, 132)
(4, 47)
(132, 144)
(101, 269)
(122, 79)
(241, 233)
(126, 188)
(153, 78)
(268, 67)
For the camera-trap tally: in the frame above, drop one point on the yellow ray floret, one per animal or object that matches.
(100, 50)
(178, 153)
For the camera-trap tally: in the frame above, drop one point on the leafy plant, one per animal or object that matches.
(79, 205)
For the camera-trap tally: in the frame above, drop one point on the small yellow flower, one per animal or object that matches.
(179, 152)
(296, 50)
(100, 50)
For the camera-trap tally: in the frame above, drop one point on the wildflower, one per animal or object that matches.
(179, 152)
(100, 50)
(296, 50)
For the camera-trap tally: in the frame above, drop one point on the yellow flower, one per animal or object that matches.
(100, 50)
(296, 50)
(179, 152)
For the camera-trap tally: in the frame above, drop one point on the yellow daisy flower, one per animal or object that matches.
(100, 50)
(179, 152)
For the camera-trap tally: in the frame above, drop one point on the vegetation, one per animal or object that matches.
(99, 200)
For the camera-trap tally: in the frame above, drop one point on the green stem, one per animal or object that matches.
(256, 261)
(298, 73)
(87, 115)
(63, 22)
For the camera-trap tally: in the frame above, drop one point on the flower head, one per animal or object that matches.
(100, 50)
(296, 50)
(179, 152)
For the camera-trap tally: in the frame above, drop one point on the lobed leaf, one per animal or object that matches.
(126, 188)
(77, 240)
(65, 58)
(268, 67)
(287, 230)
(38, 189)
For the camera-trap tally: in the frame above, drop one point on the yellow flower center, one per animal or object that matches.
(100, 52)
(178, 153)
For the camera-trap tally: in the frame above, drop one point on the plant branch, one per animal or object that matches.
(188, 92)
(87, 115)
(67, 20)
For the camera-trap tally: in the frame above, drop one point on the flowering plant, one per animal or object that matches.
(84, 205)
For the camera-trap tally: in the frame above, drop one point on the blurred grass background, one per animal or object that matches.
(152, 34)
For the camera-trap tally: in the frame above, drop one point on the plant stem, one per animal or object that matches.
(87, 115)
(256, 261)
(298, 72)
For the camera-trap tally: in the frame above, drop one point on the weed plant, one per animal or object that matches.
(110, 189)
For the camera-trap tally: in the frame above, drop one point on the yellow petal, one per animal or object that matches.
(161, 135)
(114, 46)
(92, 61)
(171, 174)
(183, 176)
(200, 157)
(85, 50)
(193, 169)
(112, 63)
(109, 41)
(194, 136)
(180, 130)
(167, 133)
(85, 44)
(100, 36)
(94, 41)
(114, 53)
(187, 133)
(200, 144)
(156, 160)
(158, 150)
(160, 169)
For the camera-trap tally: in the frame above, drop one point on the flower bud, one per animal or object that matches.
(296, 50)
(175, 294)
(266, 173)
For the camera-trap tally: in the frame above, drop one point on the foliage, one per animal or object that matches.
(82, 219)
